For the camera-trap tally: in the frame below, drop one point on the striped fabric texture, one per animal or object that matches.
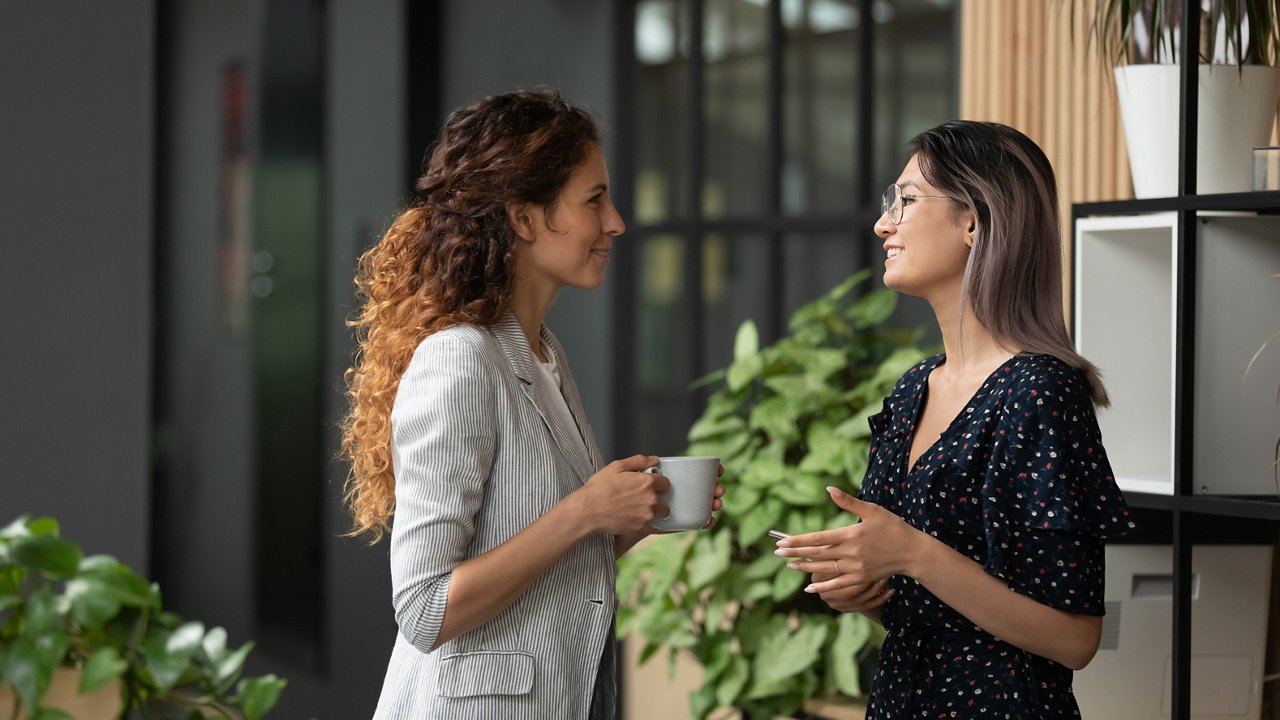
(478, 455)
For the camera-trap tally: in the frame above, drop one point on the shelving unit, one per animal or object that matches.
(1127, 315)
(1174, 268)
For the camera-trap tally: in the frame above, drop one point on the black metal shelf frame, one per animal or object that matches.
(1251, 508)
(1184, 506)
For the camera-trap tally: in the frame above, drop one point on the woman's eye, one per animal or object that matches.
(908, 199)
(595, 199)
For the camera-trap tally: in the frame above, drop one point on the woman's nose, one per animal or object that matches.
(884, 227)
(614, 224)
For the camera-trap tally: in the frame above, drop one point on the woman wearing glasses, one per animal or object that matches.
(988, 496)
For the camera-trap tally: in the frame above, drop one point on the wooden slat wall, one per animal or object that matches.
(1020, 65)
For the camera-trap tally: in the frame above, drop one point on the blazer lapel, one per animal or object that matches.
(568, 438)
(574, 401)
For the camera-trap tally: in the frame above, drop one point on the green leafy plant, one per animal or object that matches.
(787, 421)
(59, 608)
(1250, 29)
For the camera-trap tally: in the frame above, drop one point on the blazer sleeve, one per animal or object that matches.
(443, 441)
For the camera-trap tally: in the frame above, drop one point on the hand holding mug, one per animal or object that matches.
(624, 497)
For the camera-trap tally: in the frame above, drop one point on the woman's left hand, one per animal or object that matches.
(879, 546)
(847, 596)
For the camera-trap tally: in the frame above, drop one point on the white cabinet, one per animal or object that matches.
(1126, 321)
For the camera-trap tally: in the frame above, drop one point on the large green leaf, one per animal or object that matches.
(716, 427)
(717, 653)
(774, 416)
(757, 622)
(17, 528)
(743, 372)
(258, 695)
(228, 665)
(102, 667)
(665, 558)
(747, 342)
(787, 582)
(709, 558)
(785, 652)
(91, 604)
(101, 563)
(759, 520)
(874, 308)
(803, 489)
(702, 701)
(733, 681)
(48, 554)
(665, 624)
(852, 632)
(22, 670)
(168, 654)
(43, 612)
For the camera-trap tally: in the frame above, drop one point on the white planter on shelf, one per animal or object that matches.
(1236, 112)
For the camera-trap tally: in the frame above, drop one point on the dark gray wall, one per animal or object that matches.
(365, 108)
(209, 394)
(76, 151)
(203, 489)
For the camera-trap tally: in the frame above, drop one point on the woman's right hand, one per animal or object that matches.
(622, 498)
(854, 597)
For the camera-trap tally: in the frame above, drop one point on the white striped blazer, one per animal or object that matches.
(479, 454)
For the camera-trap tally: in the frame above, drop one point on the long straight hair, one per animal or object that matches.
(1013, 278)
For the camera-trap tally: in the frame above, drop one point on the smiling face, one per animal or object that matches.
(927, 250)
(568, 242)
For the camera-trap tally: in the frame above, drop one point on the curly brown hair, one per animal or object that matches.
(447, 259)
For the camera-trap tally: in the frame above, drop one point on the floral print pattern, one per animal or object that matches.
(1020, 483)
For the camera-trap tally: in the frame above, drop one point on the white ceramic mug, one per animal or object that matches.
(693, 487)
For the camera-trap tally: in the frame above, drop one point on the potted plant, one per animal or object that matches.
(1236, 108)
(787, 421)
(60, 609)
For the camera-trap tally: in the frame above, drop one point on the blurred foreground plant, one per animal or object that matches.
(59, 608)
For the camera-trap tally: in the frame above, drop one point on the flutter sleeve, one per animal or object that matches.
(1049, 500)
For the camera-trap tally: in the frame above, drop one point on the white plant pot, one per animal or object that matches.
(1236, 113)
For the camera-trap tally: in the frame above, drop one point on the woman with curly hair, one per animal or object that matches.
(466, 425)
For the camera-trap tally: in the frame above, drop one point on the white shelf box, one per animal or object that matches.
(1125, 317)
(1237, 303)
(1126, 320)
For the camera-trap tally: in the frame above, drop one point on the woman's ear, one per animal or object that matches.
(971, 232)
(518, 216)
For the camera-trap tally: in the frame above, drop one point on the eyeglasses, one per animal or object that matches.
(893, 201)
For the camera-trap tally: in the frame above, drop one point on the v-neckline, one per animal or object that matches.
(923, 397)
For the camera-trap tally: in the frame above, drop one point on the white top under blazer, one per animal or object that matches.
(479, 453)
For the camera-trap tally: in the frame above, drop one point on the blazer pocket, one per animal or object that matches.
(486, 673)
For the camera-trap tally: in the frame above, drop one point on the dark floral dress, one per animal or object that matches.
(1020, 483)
